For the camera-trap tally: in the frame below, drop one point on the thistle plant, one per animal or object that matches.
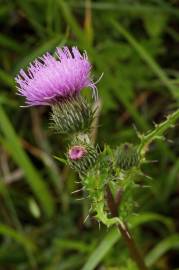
(108, 176)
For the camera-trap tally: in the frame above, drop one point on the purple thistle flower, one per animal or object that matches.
(77, 152)
(50, 80)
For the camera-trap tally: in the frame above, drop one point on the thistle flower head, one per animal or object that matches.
(49, 80)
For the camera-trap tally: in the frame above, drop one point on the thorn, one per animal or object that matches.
(170, 141)
(139, 135)
(151, 161)
(162, 138)
(76, 191)
(148, 177)
(145, 175)
(145, 186)
(135, 214)
(86, 218)
(137, 186)
(148, 131)
(168, 117)
(80, 199)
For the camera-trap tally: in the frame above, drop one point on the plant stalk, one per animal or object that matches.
(124, 230)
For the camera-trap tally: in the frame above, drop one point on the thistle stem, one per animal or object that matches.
(158, 131)
(124, 230)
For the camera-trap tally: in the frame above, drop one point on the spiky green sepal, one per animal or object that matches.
(127, 156)
(73, 115)
(84, 162)
(129, 192)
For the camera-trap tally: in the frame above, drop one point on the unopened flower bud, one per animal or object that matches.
(127, 156)
(73, 115)
(81, 154)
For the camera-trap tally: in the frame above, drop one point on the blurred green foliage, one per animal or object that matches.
(135, 43)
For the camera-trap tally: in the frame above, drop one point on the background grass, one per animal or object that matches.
(135, 44)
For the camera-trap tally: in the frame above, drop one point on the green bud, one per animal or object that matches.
(127, 156)
(81, 154)
(73, 115)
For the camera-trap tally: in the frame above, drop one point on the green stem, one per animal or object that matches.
(124, 230)
(157, 132)
(133, 249)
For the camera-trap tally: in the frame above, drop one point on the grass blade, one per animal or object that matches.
(113, 236)
(171, 242)
(147, 58)
(19, 237)
(38, 186)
